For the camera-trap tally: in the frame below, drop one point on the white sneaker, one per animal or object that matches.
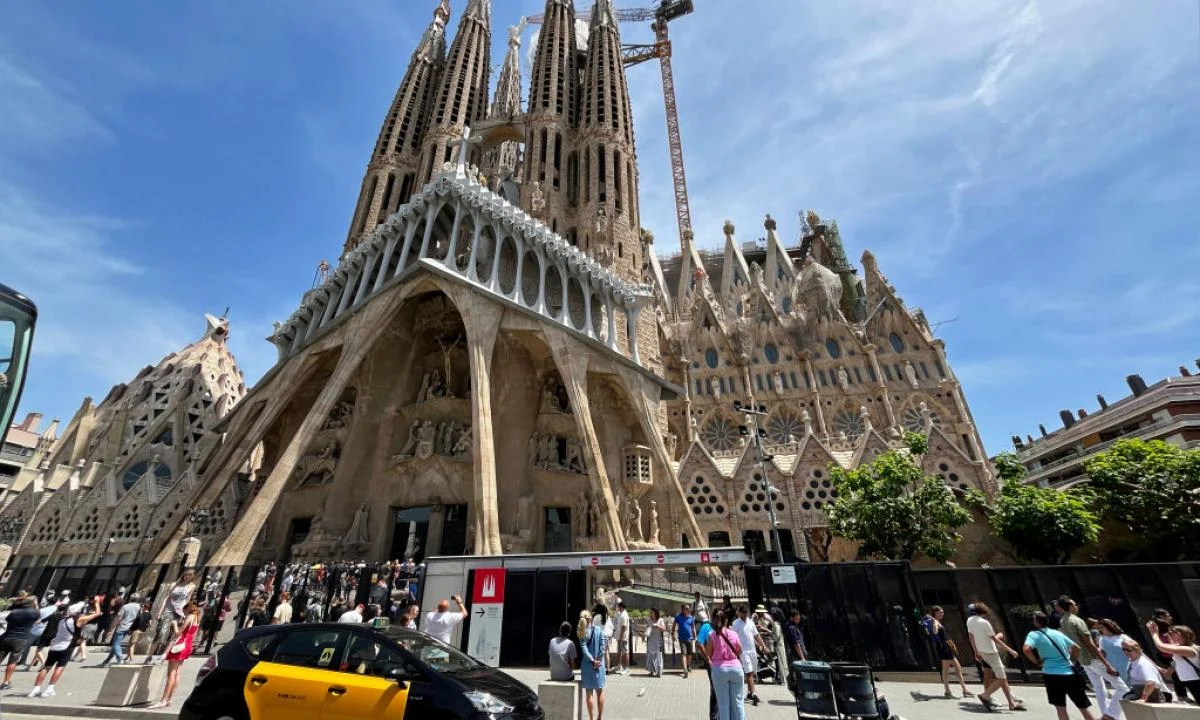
(48, 692)
(36, 692)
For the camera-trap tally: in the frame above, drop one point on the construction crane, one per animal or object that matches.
(662, 14)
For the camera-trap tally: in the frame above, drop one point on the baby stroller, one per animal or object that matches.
(769, 667)
(836, 692)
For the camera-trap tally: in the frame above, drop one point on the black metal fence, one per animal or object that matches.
(870, 612)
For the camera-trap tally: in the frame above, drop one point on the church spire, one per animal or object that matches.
(608, 210)
(500, 162)
(391, 176)
(461, 98)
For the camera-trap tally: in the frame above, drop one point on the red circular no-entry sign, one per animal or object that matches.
(661, 558)
(595, 560)
(628, 560)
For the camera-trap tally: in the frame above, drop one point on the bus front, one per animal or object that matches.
(17, 318)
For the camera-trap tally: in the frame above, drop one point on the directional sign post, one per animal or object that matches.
(487, 616)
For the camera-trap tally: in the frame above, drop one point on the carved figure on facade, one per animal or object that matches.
(582, 516)
(910, 372)
(426, 438)
(537, 199)
(433, 385)
(843, 379)
(552, 452)
(593, 515)
(554, 395)
(317, 467)
(653, 538)
(359, 533)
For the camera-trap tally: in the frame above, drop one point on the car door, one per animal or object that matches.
(293, 684)
(362, 688)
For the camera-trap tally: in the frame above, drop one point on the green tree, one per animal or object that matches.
(894, 509)
(1153, 489)
(1041, 524)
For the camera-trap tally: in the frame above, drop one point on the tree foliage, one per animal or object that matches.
(1153, 489)
(1041, 524)
(894, 509)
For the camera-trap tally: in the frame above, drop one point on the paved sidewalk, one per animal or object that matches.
(632, 697)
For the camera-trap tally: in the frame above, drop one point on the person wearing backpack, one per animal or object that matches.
(67, 637)
(1185, 656)
(122, 624)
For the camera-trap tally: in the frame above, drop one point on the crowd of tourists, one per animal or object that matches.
(55, 630)
(1075, 655)
(729, 644)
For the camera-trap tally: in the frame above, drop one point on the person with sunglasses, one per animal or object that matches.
(1145, 681)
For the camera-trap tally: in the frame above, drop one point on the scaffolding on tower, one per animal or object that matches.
(661, 15)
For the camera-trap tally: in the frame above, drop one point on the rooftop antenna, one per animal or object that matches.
(938, 324)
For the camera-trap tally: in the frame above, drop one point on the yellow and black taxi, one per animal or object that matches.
(339, 671)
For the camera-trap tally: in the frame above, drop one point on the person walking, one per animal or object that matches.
(685, 632)
(1184, 654)
(1093, 661)
(1056, 654)
(724, 652)
(703, 630)
(127, 615)
(1112, 640)
(441, 624)
(752, 644)
(258, 613)
(18, 633)
(408, 617)
(591, 668)
(283, 611)
(944, 648)
(179, 650)
(67, 636)
(622, 630)
(1164, 620)
(986, 644)
(562, 654)
(655, 639)
(172, 615)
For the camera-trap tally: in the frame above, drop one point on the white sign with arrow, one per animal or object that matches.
(487, 616)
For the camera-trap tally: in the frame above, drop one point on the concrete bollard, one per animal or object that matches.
(1138, 710)
(559, 700)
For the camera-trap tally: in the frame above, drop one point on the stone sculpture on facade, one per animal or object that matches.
(910, 372)
(426, 438)
(654, 529)
(317, 467)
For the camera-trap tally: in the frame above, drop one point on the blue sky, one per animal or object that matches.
(1028, 170)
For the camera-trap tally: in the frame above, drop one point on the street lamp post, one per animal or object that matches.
(753, 413)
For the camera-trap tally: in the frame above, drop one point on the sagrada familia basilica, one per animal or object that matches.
(502, 361)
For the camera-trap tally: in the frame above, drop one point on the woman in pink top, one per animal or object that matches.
(725, 652)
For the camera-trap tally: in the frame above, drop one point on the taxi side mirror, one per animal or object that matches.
(397, 674)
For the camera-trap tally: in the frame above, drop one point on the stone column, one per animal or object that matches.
(816, 393)
(572, 362)
(644, 397)
(882, 385)
(481, 318)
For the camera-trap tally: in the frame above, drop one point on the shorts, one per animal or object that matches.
(623, 646)
(1061, 687)
(687, 647)
(13, 648)
(749, 663)
(992, 661)
(57, 658)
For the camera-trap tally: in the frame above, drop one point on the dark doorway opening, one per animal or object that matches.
(410, 532)
(297, 532)
(557, 530)
(454, 531)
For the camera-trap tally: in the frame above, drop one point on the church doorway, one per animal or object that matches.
(298, 530)
(556, 531)
(428, 530)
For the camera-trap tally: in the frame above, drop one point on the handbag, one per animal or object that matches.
(1076, 669)
(179, 646)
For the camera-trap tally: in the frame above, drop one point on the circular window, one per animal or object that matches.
(806, 505)
(720, 434)
(784, 428)
(162, 473)
(711, 357)
(745, 508)
(897, 343)
(913, 422)
(834, 350)
(850, 423)
(818, 473)
(771, 353)
(943, 467)
(691, 501)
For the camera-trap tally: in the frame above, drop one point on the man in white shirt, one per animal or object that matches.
(987, 644)
(352, 616)
(283, 611)
(621, 628)
(752, 644)
(441, 624)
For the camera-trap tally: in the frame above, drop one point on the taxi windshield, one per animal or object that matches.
(431, 651)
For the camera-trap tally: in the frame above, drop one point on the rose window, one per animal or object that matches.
(913, 422)
(784, 428)
(720, 434)
(850, 423)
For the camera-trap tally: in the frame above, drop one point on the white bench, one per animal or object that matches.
(559, 699)
(1138, 710)
(131, 684)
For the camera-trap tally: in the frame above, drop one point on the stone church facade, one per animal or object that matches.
(501, 363)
